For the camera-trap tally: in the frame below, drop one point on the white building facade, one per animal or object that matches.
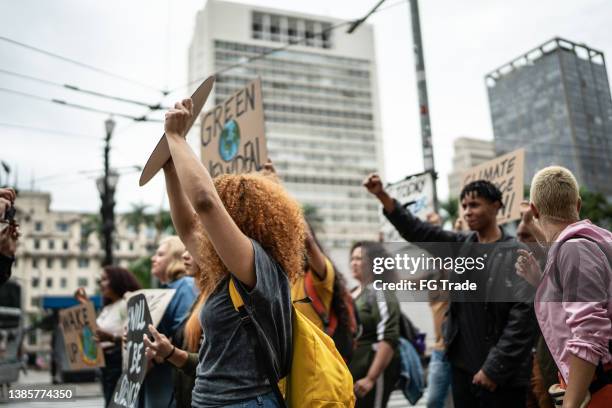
(468, 152)
(60, 251)
(320, 104)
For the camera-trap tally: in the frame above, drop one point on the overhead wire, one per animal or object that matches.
(81, 90)
(81, 64)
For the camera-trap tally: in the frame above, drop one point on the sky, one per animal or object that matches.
(147, 41)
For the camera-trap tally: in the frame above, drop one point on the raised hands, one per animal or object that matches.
(178, 118)
(373, 184)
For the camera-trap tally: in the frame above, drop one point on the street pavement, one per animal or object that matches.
(89, 395)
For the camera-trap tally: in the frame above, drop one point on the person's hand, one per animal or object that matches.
(269, 171)
(8, 240)
(81, 295)
(483, 381)
(373, 184)
(159, 348)
(434, 219)
(458, 224)
(528, 268)
(7, 199)
(363, 387)
(178, 118)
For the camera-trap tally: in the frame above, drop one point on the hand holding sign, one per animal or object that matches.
(178, 119)
(158, 349)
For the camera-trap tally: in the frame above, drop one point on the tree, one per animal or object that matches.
(596, 208)
(450, 209)
(141, 268)
(138, 216)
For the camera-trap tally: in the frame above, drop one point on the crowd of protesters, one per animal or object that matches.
(246, 233)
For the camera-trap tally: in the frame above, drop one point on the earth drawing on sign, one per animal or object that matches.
(229, 142)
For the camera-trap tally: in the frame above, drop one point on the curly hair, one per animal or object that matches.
(263, 211)
(120, 280)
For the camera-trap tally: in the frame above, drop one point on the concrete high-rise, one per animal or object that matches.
(555, 101)
(320, 103)
(467, 153)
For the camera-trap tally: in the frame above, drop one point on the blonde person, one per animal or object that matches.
(168, 267)
(254, 235)
(572, 304)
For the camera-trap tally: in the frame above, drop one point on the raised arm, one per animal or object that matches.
(233, 247)
(411, 228)
(316, 257)
(183, 215)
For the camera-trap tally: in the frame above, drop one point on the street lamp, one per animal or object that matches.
(106, 187)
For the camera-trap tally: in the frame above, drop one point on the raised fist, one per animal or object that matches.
(373, 184)
(177, 119)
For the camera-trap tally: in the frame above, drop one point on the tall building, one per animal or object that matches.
(468, 152)
(59, 251)
(320, 104)
(555, 101)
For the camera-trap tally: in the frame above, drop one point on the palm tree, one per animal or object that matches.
(138, 216)
(450, 208)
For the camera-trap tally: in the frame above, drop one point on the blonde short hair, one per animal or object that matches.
(555, 194)
(176, 267)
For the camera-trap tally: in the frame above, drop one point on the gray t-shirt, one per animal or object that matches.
(228, 372)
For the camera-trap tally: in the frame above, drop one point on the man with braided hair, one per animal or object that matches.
(488, 342)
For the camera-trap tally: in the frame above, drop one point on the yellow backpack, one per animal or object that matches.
(319, 376)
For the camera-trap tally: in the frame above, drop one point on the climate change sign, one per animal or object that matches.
(506, 172)
(78, 326)
(232, 137)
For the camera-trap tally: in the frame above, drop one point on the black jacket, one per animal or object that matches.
(510, 326)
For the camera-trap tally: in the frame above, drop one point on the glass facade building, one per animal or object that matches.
(555, 101)
(320, 106)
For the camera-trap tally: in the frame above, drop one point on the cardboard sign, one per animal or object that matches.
(506, 172)
(233, 139)
(78, 327)
(157, 301)
(127, 389)
(415, 192)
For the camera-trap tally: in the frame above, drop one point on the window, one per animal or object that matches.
(49, 263)
(36, 244)
(38, 226)
(117, 246)
(49, 282)
(131, 246)
(65, 245)
(35, 282)
(82, 282)
(34, 262)
(35, 302)
(64, 263)
(83, 263)
(61, 226)
(63, 283)
(51, 244)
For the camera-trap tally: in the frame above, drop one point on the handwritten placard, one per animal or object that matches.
(157, 301)
(415, 192)
(78, 327)
(233, 139)
(126, 391)
(506, 172)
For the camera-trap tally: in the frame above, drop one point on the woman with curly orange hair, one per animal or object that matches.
(253, 234)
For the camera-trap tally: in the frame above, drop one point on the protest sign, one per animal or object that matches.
(78, 327)
(157, 301)
(415, 193)
(232, 137)
(506, 172)
(126, 391)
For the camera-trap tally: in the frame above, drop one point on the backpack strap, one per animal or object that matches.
(254, 338)
(330, 321)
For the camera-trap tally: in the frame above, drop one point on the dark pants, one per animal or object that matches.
(468, 395)
(110, 372)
